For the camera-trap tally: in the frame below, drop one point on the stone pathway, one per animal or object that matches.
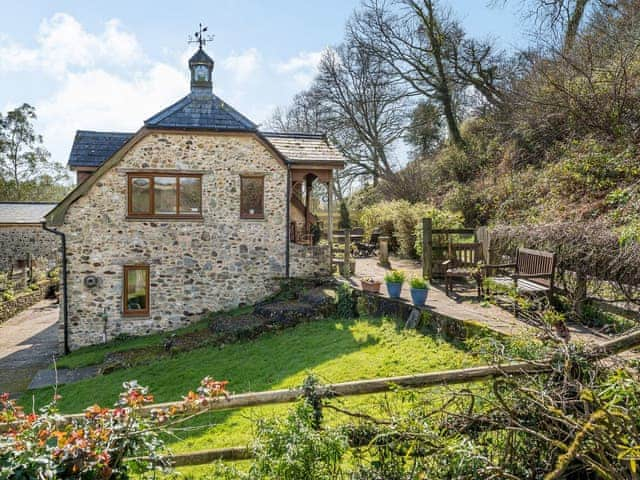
(464, 304)
(28, 342)
(49, 377)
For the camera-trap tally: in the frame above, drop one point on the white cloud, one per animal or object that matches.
(302, 68)
(244, 65)
(63, 43)
(99, 100)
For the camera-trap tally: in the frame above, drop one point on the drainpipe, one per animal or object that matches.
(65, 310)
(288, 220)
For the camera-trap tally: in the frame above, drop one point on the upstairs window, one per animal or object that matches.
(165, 196)
(136, 290)
(252, 196)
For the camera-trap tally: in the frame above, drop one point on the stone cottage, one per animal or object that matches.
(22, 238)
(197, 211)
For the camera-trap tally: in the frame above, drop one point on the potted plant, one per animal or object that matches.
(394, 280)
(370, 284)
(419, 291)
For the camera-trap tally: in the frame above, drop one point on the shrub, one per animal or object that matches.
(395, 276)
(419, 283)
(34, 286)
(405, 220)
(345, 303)
(8, 295)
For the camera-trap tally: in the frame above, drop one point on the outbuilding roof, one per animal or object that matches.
(305, 148)
(24, 212)
(201, 110)
(91, 149)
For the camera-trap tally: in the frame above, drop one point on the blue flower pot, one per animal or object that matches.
(419, 296)
(394, 289)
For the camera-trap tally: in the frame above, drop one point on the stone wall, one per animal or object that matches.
(16, 243)
(213, 264)
(24, 300)
(309, 261)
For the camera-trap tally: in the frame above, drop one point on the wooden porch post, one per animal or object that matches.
(427, 248)
(330, 215)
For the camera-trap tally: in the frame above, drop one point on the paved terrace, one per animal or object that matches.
(463, 303)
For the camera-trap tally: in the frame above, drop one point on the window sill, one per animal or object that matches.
(138, 316)
(253, 219)
(194, 219)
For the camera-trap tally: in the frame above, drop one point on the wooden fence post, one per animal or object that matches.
(427, 251)
(346, 272)
(383, 252)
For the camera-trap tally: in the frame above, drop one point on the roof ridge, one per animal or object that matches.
(295, 135)
(105, 132)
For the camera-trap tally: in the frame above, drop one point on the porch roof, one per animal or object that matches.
(306, 149)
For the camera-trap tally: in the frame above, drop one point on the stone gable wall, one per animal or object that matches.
(210, 265)
(309, 261)
(16, 243)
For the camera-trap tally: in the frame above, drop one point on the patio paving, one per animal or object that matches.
(463, 304)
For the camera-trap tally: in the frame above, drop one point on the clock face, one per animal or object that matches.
(201, 73)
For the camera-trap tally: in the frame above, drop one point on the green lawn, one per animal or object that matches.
(334, 350)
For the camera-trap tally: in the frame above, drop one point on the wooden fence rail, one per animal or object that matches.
(362, 387)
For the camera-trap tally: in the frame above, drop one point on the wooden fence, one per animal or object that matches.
(360, 387)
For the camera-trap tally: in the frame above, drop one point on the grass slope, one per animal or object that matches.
(334, 350)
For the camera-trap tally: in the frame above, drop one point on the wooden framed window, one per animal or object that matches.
(136, 290)
(252, 196)
(160, 195)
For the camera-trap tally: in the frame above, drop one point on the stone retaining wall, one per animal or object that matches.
(309, 261)
(24, 300)
(17, 242)
(451, 328)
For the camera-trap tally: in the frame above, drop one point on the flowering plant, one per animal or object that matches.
(102, 443)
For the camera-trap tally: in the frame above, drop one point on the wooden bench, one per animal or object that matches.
(463, 262)
(533, 272)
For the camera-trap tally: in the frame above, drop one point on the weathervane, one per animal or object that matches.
(200, 38)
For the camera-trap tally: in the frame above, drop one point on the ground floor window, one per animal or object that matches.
(136, 290)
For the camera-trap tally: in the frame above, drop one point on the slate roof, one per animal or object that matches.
(24, 212)
(202, 110)
(91, 149)
(304, 147)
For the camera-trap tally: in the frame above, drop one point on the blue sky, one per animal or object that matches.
(109, 65)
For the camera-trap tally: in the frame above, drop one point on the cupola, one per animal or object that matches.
(201, 67)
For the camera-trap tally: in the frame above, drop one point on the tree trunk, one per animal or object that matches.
(573, 25)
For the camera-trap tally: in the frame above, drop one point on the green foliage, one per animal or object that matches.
(405, 220)
(8, 295)
(599, 318)
(34, 286)
(26, 170)
(553, 318)
(345, 303)
(395, 276)
(589, 166)
(419, 283)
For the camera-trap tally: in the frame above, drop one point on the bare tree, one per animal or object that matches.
(563, 18)
(366, 108)
(428, 49)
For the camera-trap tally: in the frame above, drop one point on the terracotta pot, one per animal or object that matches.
(373, 287)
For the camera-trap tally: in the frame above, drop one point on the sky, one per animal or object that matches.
(109, 65)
